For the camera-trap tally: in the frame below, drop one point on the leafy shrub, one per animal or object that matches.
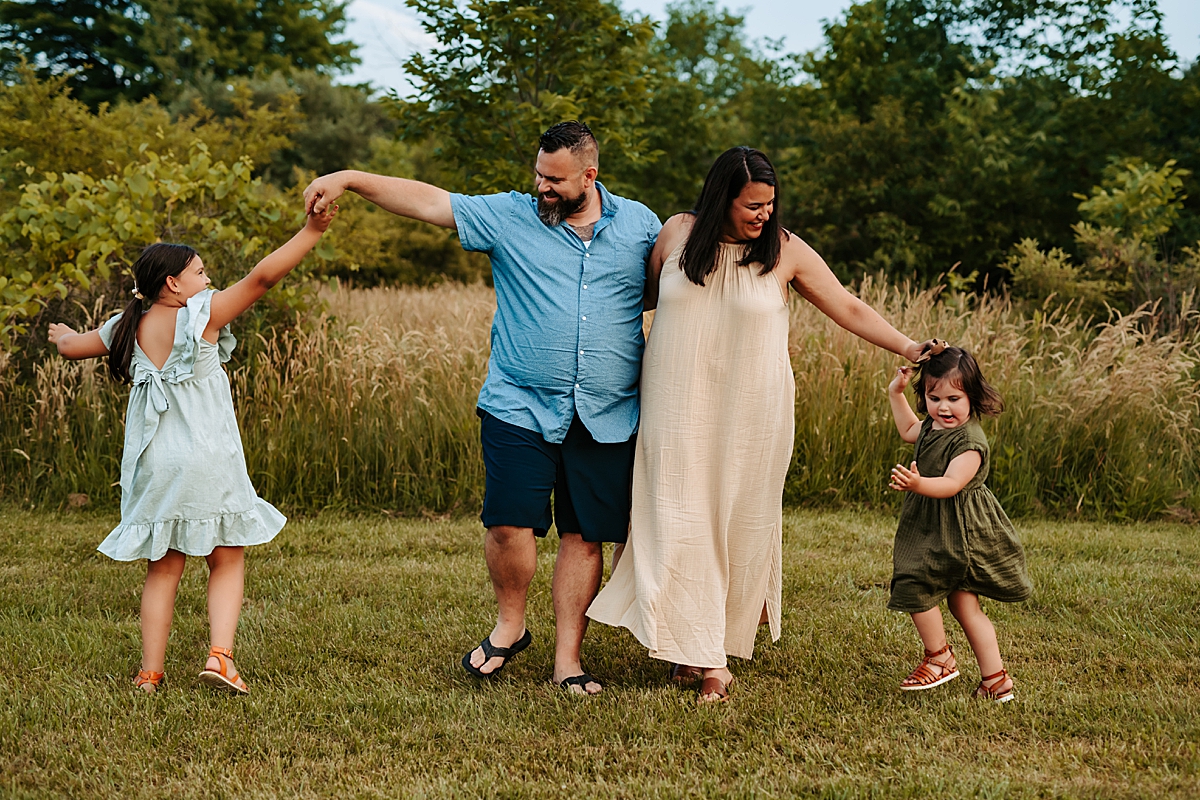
(76, 232)
(1126, 258)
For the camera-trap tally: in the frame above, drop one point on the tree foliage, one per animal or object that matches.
(130, 49)
(504, 71)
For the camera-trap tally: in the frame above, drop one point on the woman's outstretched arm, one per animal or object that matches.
(811, 277)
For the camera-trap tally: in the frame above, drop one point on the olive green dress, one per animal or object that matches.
(960, 543)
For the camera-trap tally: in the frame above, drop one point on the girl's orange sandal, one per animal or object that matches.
(1000, 689)
(148, 681)
(225, 678)
(924, 676)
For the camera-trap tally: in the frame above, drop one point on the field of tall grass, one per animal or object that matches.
(372, 405)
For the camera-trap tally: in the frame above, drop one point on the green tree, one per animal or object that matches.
(505, 71)
(129, 49)
(705, 73)
(930, 132)
(44, 128)
(336, 125)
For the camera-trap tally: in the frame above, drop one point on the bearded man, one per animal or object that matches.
(559, 408)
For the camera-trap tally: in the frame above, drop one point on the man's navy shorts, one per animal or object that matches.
(590, 481)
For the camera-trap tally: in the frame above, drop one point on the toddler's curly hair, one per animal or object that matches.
(963, 370)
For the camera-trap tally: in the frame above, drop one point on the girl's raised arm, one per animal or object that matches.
(906, 420)
(73, 345)
(228, 304)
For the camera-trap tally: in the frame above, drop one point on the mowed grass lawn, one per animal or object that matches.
(353, 628)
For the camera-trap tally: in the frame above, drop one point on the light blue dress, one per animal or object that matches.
(184, 484)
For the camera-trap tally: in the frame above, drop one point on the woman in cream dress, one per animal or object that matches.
(703, 564)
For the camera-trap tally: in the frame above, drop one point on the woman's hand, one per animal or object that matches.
(58, 331)
(319, 221)
(900, 382)
(915, 352)
(906, 479)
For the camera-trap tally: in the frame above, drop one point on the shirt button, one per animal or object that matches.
(587, 255)
(580, 352)
(577, 386)
(585, 319)
(585, 286)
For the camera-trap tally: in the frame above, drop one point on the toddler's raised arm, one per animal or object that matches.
(906, 419)
(231, 302)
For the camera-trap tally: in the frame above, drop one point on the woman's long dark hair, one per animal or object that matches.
(729, 174)
(954, 361)
(150, 272)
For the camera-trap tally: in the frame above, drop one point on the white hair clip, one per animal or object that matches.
(137, 293)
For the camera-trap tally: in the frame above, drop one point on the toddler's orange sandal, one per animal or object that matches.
(226, 678)
(1000, 689)
(147, 678)
(924, 677)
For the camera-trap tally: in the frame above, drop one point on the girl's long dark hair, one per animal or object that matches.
(728, 175)
(985, 400)
(150, 273)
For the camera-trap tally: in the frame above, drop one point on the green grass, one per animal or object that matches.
(353, 627)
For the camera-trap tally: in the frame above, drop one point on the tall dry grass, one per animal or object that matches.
(373, 405)
(1100, 420)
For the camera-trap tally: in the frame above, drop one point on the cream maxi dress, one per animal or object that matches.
(715, 442)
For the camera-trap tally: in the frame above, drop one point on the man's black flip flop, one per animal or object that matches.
(568, 684)
(490, 651)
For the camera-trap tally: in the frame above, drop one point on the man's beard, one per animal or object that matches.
(553, 214)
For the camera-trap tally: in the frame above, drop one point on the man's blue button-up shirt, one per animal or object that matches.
(567, 335)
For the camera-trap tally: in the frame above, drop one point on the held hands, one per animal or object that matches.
(905, 479)
(319, 220)
(321, 193)
(900, 382)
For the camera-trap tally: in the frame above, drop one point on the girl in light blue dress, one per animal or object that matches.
(184, 486)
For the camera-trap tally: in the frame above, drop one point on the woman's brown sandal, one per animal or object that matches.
(147, 678)
(994, 692)
(713, 691)
(924, 676)
(226, 677)
(684, 675)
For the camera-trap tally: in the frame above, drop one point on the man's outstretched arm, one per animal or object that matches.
(401, 196)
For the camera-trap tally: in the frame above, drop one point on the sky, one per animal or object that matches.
(387, 32)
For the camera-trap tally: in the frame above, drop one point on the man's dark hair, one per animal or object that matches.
(573, 135)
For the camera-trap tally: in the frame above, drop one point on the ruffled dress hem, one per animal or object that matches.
(194, 537)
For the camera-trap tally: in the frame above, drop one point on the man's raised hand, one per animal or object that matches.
(323, 191)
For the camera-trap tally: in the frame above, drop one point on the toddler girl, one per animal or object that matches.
(954, 541)
(184, 486)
